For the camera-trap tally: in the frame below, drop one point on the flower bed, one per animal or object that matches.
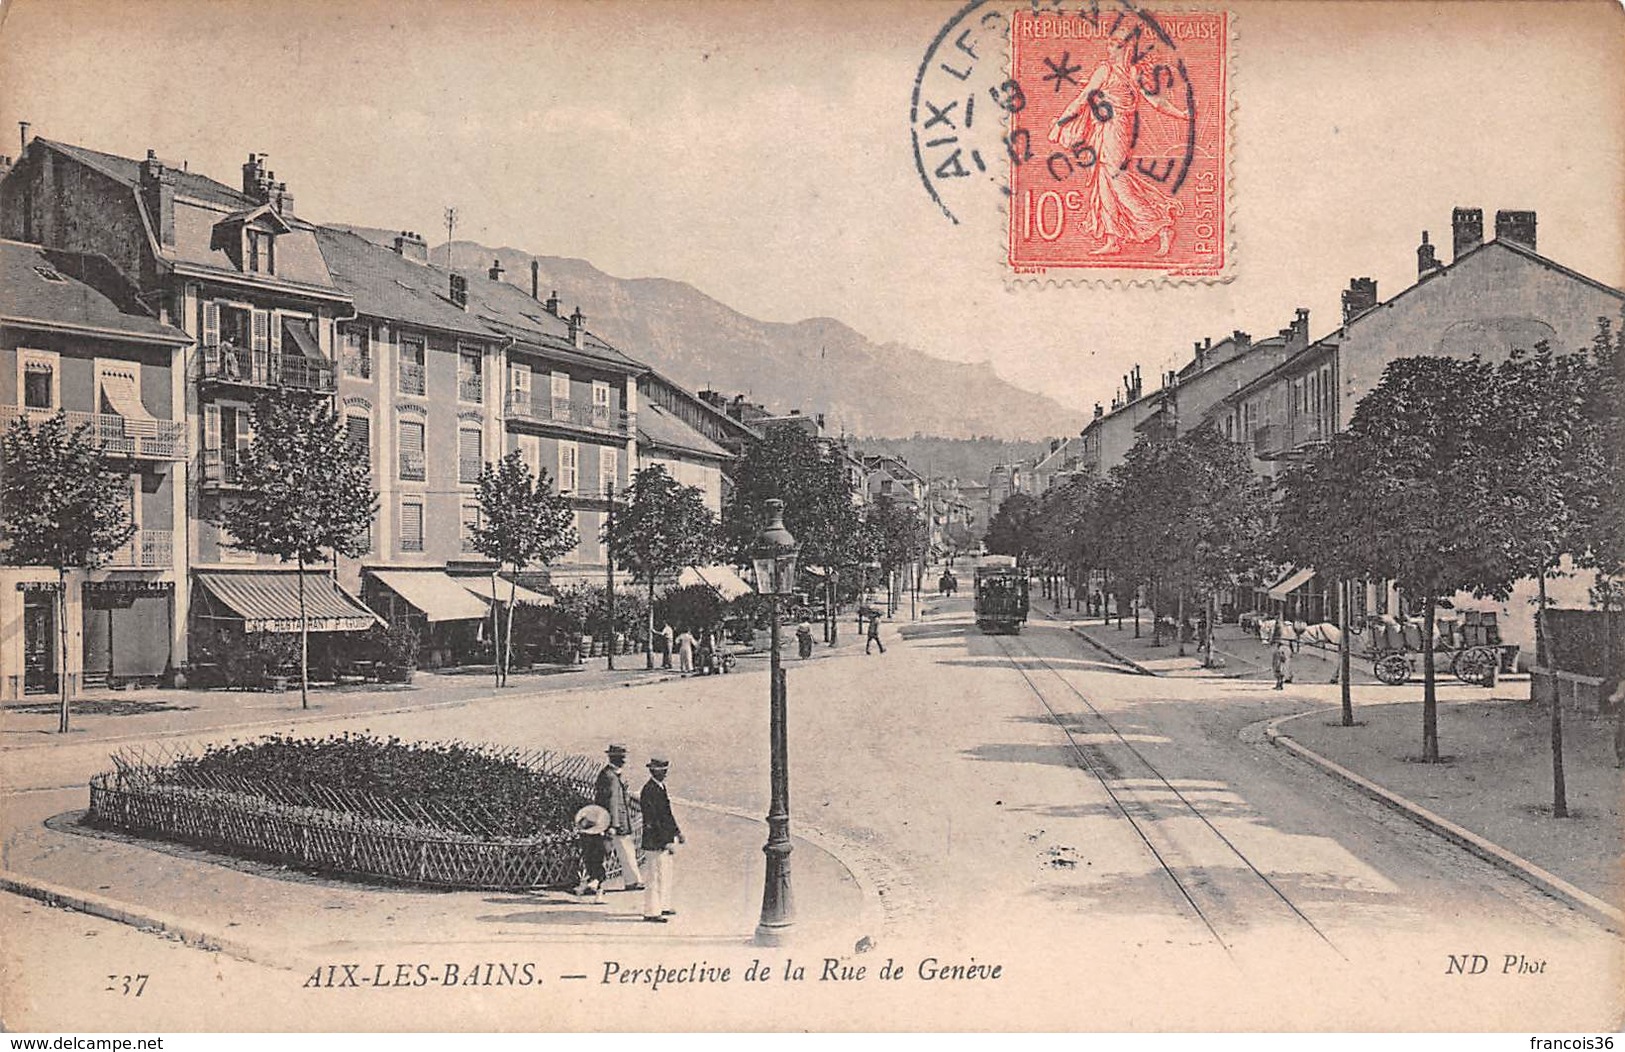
(445, 814)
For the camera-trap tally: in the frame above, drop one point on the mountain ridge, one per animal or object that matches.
(818, 364)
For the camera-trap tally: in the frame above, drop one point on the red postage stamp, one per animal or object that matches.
(1118, 152)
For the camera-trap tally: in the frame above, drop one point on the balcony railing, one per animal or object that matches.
(412, 466)
(469, 468)
(1266, 440)
(230, 364)
(470, 389)
(116, 435)
(147, 549)
(570, 413)
(412, 378)
(358, 365)
(1307, 431)
(220, 467)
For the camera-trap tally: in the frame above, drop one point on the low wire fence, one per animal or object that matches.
(155, 791)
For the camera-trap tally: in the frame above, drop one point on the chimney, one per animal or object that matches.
(5, 165)
(459, 291)
(1359, 297)
(578, 329)
(256, 184)
(1054, 444)
(819, 419)
(158, 195)
(282, 200)
(1099, 412)
(1518, 227)
(495, 273)
(1427, 264)
(1242, 340)
(535, 280)
(1467, 224)
(1296, 335)
(552, 304)
(409, 245)
(22, 138)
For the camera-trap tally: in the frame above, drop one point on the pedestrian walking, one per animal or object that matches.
(610, 793)
(592, 823)
(665, 645)
(685, 652)
(1280, 656)
(661, 836)
(873, 638)
(804, 644)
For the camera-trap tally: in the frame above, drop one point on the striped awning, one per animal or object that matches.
(1291, 583)
(722, 579)
(268, 600)
(434, 594)
(481, 586)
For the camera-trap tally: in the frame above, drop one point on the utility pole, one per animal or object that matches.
(451, 225)
(609, 562)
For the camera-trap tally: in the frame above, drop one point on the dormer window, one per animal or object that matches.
(260, 256)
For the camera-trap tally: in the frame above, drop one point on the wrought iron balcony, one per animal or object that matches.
(147, 549)
(413, 468)
(219, 467)
(412, 378)
(358, 365)
(469, 468)
(227, 363)
(470, 389)
(117, 436)
(566, 412)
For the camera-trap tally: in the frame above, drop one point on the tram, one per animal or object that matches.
(1001, 595)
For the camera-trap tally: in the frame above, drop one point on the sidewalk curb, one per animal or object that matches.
(1113, 653)
(120, 913)
(1584, 902)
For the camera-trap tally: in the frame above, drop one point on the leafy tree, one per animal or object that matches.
(791, 465)
(62, 504)
(1013, 530)
(897, 534)
(1600, 529)
(1541, 445)
(1320, 521)
(1419, 468)
(665, 527)
(522, 523)
(306, 492)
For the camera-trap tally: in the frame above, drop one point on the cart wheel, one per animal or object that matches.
(1392, 669)
(1474, 666)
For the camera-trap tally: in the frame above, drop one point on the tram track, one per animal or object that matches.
(1212, 877)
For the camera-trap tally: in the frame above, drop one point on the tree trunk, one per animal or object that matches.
(1345, 599)
(1179, 622)
(507, 642)
(304, 638)
(834, 594)
(649, 643)
(62, 648)
(1560, 796)
(1156, 622)
(496, 634)
(1430, 697)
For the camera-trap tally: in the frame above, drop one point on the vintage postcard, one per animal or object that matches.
(983, 515)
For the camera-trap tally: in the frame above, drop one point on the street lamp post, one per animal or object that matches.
(774, 558)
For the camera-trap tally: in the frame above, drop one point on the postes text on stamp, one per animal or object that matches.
(1118, 161)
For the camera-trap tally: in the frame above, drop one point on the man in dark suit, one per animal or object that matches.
(660, 838)
(610, 793)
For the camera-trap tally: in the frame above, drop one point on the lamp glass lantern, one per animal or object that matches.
(774, 554)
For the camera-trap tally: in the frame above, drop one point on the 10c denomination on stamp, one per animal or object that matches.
(1119, 153)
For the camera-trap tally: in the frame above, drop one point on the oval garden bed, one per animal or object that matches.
(443, 813)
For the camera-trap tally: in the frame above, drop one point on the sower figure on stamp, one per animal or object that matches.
(1101, 127)
(660, 839)
(611, 794)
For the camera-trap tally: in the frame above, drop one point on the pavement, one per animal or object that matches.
(275, 915)
(1492, 793)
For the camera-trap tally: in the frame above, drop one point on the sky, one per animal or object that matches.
(761, 151)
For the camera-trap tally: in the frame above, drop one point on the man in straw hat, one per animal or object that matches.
(610, 793)
(591, 823)
(660, 838)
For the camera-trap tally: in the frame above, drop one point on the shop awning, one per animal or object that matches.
(121, 396)
(481, 586)
(1291, 583)
(268, 600)
(722, 579)
(298, 333)
(437, 596)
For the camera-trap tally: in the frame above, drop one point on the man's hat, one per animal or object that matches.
(659, 764)
(616, 750)
(592, 820)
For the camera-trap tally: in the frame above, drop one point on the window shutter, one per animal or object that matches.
(600, 394)
(260, 336)
(274, 327)
(609, 463)
(211, 430)
(521, 379)
(561, 385)
(245, 428)
(210, 325)
(567, 467)
(358, 432)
